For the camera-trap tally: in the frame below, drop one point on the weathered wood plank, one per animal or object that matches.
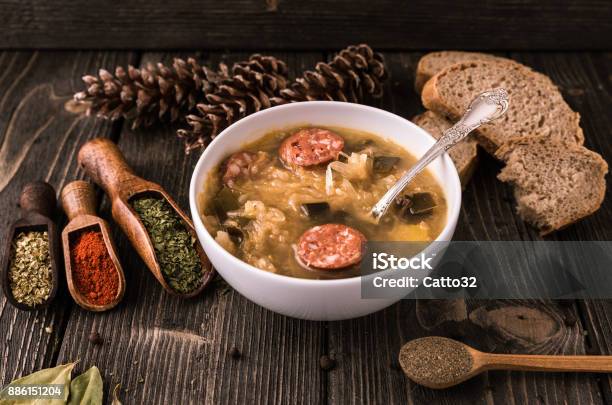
(368, 370)
(165, 350)
(39, 140)
(597, 316)
(585, 83)
(313, 25)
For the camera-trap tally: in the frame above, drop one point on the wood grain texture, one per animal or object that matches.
(585, 83)
(312, 25)
(39, 140)
(166, 350)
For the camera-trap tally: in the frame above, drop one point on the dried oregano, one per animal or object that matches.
(30, 275)
(174, 245)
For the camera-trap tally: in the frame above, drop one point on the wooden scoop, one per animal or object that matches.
(78, 200)
(37, 204)
(432, 368)
(104, 162)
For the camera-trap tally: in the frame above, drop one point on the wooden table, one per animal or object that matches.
(163, 350)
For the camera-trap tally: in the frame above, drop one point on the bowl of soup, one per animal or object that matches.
(281, 203)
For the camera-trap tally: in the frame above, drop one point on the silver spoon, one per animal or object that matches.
(485, 108)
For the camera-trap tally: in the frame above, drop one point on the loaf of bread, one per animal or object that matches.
(464, 154)
(434, 62)
(536, 105)
(556, 183)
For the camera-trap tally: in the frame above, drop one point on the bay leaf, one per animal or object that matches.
(55, 375)
(86, 389)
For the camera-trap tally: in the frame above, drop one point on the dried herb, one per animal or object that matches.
(435, 360)
(30, 275)
(173, 243)
(86, 388)
(55, 375)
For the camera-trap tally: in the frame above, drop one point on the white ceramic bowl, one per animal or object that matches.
(302, 298)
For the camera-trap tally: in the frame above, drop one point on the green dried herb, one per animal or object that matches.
(174, 245)
(30, 269)
(55, 375)
(86, 388)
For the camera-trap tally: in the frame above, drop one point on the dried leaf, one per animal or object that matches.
(86, 389)
(55, 375)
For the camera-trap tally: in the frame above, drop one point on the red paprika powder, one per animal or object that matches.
(93, 270)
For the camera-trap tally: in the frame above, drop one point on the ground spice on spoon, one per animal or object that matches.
(93, 270)
(435, 360)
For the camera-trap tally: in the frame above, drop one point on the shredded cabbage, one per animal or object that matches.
(357, 167)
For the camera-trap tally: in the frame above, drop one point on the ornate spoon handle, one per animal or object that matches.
(485, 108)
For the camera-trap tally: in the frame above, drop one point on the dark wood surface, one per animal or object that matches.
(165, 350)
(306, 25)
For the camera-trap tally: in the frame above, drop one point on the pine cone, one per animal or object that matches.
(354, 75)
(250, 88)
(155, 93)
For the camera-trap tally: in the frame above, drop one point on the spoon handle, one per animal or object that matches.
(38, 197)
(483, 109)
(78, 198)
(523, 362)
(106, 165)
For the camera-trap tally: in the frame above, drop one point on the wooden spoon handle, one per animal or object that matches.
(39, 197)
(106, 165)
(78, 198)
(549, 363)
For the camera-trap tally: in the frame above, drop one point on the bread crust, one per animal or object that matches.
(505, 153)
(423, 74)
(433, 100)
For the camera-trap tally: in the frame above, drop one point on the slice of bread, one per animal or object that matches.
(432, 63)
(536, 105)
(464, 154)
(555, 183)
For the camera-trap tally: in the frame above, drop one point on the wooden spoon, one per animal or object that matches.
(37, 204)
(104, 162)
(78, 200)
(438, 362)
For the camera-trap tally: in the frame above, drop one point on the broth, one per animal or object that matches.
(260, 217)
